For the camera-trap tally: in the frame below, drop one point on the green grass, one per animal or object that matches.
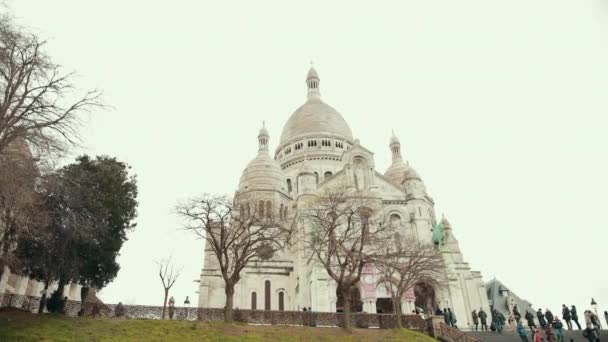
(18, 326)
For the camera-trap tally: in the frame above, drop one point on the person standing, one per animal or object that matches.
(541, 318)
(483, 317)
(446, 316)
(516, 313)
(522, 332)
(537, 335)
(549, 333)
(475, 320)
(558, 327)
(530, 319)
(567, 316)
(575, 316)
(549, 316)
(595, 320)
(171, 307)
(452, 318)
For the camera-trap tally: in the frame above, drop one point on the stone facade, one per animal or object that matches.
(317, 151)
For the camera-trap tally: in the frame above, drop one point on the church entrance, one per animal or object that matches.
(384, 305)
(356, 305)
(425, 297)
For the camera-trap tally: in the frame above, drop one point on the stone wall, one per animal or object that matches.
(325, 319)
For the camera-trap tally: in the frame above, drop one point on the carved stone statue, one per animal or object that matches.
(438, 235)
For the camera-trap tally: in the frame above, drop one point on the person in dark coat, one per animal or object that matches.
(475, 319)
(446, 316)
(575, 316)
(541, 318)
(549, 316)
(567, 316)
(558, 328)
(452, 318)
(502, 320)
(483, 317)
(530, 319)
(516, 313)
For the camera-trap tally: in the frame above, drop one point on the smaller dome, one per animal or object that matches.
(400, 171)
(263, 173)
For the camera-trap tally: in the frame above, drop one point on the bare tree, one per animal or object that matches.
(168, 274)
(406, 263)
(345, 229)
(236, 239)
(38, 101)
(21, 206)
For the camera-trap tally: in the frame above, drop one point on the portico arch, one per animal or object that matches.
(426, 298)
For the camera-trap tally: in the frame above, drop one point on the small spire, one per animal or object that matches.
(263, 138)
(395, 147)
(312, 82)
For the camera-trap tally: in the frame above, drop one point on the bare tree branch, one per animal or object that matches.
(39, 103)
(345, 227)
(168, 275)
(235, 238)
(406, 263)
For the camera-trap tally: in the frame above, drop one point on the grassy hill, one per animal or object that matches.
(22, 326)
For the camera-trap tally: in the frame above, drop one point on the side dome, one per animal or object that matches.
(315, 117)
(263, 172)
(399, 171)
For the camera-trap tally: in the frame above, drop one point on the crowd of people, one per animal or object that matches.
(549, 328)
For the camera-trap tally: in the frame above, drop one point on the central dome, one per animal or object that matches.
(315, 117)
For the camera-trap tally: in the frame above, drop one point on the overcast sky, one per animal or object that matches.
(501, 106)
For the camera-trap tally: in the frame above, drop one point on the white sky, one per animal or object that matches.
(500, 105)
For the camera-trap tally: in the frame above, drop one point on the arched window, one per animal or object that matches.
(281, 301)
(281, 217)
(247, 210)
(285, 214)
(261, 209)
(395, 220)
(288, 185)
(327, 174)
(268, 209)
(267, 295)
(317, 177)
(254, 301)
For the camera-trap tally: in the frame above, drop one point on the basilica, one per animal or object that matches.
(317, 150)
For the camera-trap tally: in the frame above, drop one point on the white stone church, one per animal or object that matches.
(317, 149)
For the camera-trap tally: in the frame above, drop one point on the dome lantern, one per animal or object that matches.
(395, 147)
(263, 138)
(312, 81)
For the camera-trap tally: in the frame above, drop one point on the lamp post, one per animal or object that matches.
(187, 305)
(594, 305)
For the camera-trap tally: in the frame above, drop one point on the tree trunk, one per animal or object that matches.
(165, 303)
(397, 303)
(43, 297)
(346, 310)
(229, 301)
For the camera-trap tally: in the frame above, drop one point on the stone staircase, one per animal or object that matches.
(511, 336)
